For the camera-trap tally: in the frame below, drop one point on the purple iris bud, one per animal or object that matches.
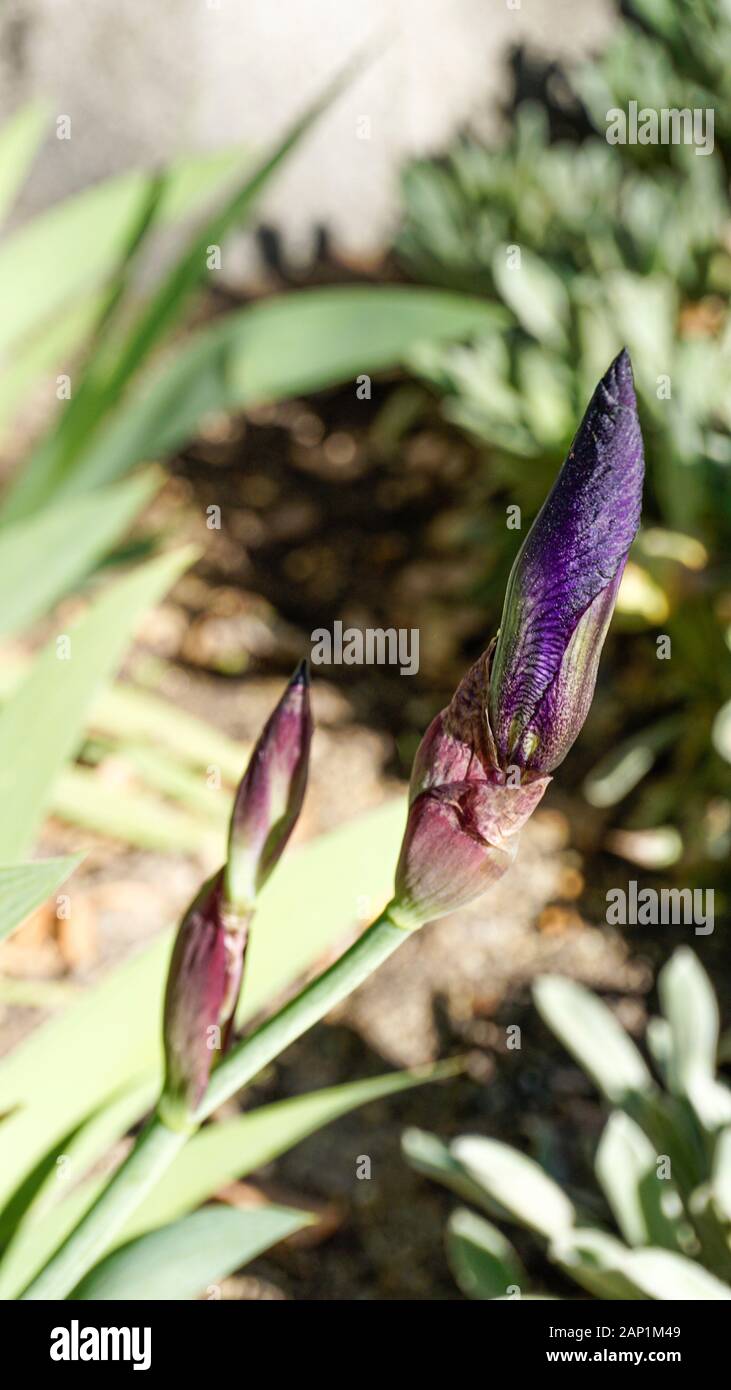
(270, 796)
(563, 585)
(483, 763)
(207, 962)
(202, 991)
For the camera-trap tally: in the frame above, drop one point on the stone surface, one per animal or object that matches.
(141, 82)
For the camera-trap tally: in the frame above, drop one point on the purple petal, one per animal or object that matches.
(560, 715)
(574, 552)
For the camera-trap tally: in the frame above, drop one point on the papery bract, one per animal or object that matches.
(460, 838)
(271, 793)
(201, 995)
(464, 813)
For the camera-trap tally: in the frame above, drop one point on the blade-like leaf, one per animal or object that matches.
(626, 1166)
(623, 1158)
(659, 1039)
(19, 140)
(37, 358)
(41, 725)
(431, 1156)
(181, 1260)
(689, 1005)
(216, 1156)
(518, 1185)
(134, 816)
(598, 1262)
(483, 1261)
(131, 713)
(609, 1270)
(620, 771)
(127, 714)
(59, 456)
(591, 1033)
(721, 1181)
(88, 400)
(534, 292)
(295, 924)
(255, 355)
(664, 1275)
(71, 537)
(37, 1216)
(222, 1152)
(67, 250)
(23, 887)
(27, 1194)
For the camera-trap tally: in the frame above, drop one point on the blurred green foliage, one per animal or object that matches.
(663, 1161)
(120, 336)
(588, 246)
(131, 388)
(675, 53)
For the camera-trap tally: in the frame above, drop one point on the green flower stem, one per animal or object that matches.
(249, 1056)
(158, 1144)
(154, 1151)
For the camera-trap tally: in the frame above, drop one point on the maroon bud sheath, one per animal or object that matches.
(464, 812)
(200, 999)
(270, 796)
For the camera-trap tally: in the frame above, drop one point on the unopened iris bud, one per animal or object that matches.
(202, 991)
(563, 585)
(270, 797)
(483, 763)
(207, 963)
